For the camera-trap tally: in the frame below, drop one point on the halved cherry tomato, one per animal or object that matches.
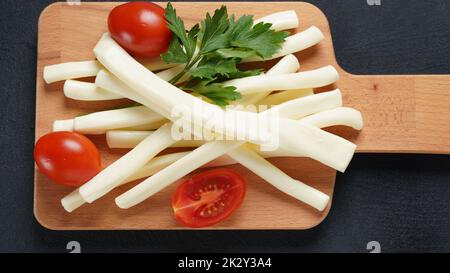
(208, 198)
(140, 28)
(67, 158)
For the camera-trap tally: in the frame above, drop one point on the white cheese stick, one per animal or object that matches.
(284, 96)
(144, 88)
(168, 97)
(127, 165)
(264, 83)
(115, 119)
(147, 85)
(155, 64)
(114, 84)
(175, 171)
(146, 127)
(90, 92)
(242, 155)
(210, 151)
(160, 162)
(108, 82)
(295, 43)
(111, 83)
(100, 122)
(295, 109)
(74, 200)
(339, 116)
(322, 146)
(309, 141)
(254, 162)
(129, 139)
(288, 64)
(304, 106)
(314, 144)
(72, 70)
(155, 165)
(118, 87)
(162, 95)
(87, 91)
(144, 83)
(215, 149)
(66, 125)
(281, 20)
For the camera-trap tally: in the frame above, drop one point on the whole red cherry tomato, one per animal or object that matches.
(67, 158)
(208, 198)
(140, 28)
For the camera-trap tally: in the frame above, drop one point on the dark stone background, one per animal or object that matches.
(399, 200)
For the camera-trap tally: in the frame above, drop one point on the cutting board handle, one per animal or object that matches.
(403, 113)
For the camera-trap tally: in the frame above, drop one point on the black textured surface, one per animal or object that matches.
(402, 201)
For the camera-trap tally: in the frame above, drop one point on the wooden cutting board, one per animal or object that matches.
(402, 114)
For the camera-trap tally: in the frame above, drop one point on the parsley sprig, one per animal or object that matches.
(212, 50)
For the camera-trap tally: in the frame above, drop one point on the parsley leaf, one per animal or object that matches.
(221, 69)
(247, 73)
(212, 50)
(240, 53)
(212, 30)
(216, 92)
(209, 68)
(260, 38)
(175, 54)
(184, 51)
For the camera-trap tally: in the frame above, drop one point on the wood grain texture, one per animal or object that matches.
(402, 114)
